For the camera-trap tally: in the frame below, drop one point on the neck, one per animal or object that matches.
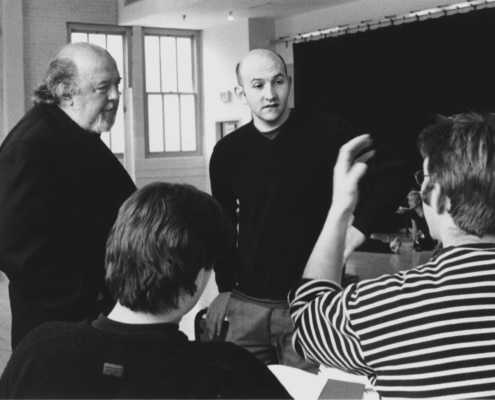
(267, 126)
(128, 316)
(75, 117)
(457, 237)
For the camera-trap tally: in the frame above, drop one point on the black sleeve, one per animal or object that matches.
(222, 192)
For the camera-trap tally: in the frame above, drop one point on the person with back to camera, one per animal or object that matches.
(271, 177)
(426, 332)
(61, 188)
(160, 255)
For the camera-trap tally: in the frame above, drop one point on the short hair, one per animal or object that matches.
(60, 82)
(461, 160)
(61, 79)
(164, 235)
(238, 67)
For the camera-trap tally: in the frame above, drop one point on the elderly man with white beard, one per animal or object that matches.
(60, 193)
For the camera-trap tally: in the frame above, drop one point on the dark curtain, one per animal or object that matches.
(392, 81)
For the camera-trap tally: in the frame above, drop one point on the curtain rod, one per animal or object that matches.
(390, 20)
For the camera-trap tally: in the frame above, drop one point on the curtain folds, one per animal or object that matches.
(393, 81)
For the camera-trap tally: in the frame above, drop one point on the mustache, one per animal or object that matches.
(112, 106)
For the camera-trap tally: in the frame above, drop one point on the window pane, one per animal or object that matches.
(184, 57)
(172, 122)
(155, 123)
(188, 122)
(105, 138)
(117, 132)
(114, 43)
(78, 37)
(115, 47)
(169, 64)
(98, 39)
(152, 63)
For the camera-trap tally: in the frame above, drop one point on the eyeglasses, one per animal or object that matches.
(420, 177)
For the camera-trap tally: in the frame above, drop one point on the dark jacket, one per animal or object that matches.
(60, 191)
(108, 359)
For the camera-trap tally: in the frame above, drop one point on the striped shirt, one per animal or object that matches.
(428, 332)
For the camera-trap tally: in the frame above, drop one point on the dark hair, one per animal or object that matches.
(238, 67)
(164, 235)
(60, 82)
(461, 160)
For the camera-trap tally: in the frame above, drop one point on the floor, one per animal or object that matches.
(364, 265)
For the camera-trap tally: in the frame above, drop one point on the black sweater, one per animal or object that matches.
(284, 190)
(108, 359)
(60, 191)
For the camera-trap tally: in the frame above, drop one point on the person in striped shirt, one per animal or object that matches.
(428, 332)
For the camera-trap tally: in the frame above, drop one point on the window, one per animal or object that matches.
(171, 92)
(113, 42)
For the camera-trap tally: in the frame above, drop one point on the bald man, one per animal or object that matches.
(272, 176)
(60, 193)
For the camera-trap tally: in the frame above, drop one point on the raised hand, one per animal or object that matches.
(349, 169)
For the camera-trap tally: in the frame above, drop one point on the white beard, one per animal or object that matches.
(104, 121)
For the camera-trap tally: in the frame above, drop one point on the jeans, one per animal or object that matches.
(266, 332)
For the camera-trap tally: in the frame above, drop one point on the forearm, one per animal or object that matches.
(319, 311)
(327, 259)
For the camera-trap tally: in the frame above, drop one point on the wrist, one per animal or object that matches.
(340, 212)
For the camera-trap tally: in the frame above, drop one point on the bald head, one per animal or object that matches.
(256, 57)
(61, 79)
(264, 86)
(80, 50)
(83, 81)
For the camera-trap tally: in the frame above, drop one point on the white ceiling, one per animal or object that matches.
(203, 14)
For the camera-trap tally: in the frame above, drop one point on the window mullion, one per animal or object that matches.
(177, 90)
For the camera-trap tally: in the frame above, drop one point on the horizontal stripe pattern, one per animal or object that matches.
(428, 332)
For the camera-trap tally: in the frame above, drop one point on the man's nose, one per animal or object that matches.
(114, 93)
(270, 92)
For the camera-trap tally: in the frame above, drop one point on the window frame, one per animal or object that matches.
(195, 37)
(126, 75)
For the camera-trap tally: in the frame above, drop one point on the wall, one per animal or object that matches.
(261, 32)
(222, 49)
(2, 101)
(45, 30)
(42, 30)
(32, 32)
(12, 77)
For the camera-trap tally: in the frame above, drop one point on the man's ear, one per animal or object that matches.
(239, 91)
(439, 201)
(62, 91)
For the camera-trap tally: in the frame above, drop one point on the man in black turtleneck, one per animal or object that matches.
(273, 177)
